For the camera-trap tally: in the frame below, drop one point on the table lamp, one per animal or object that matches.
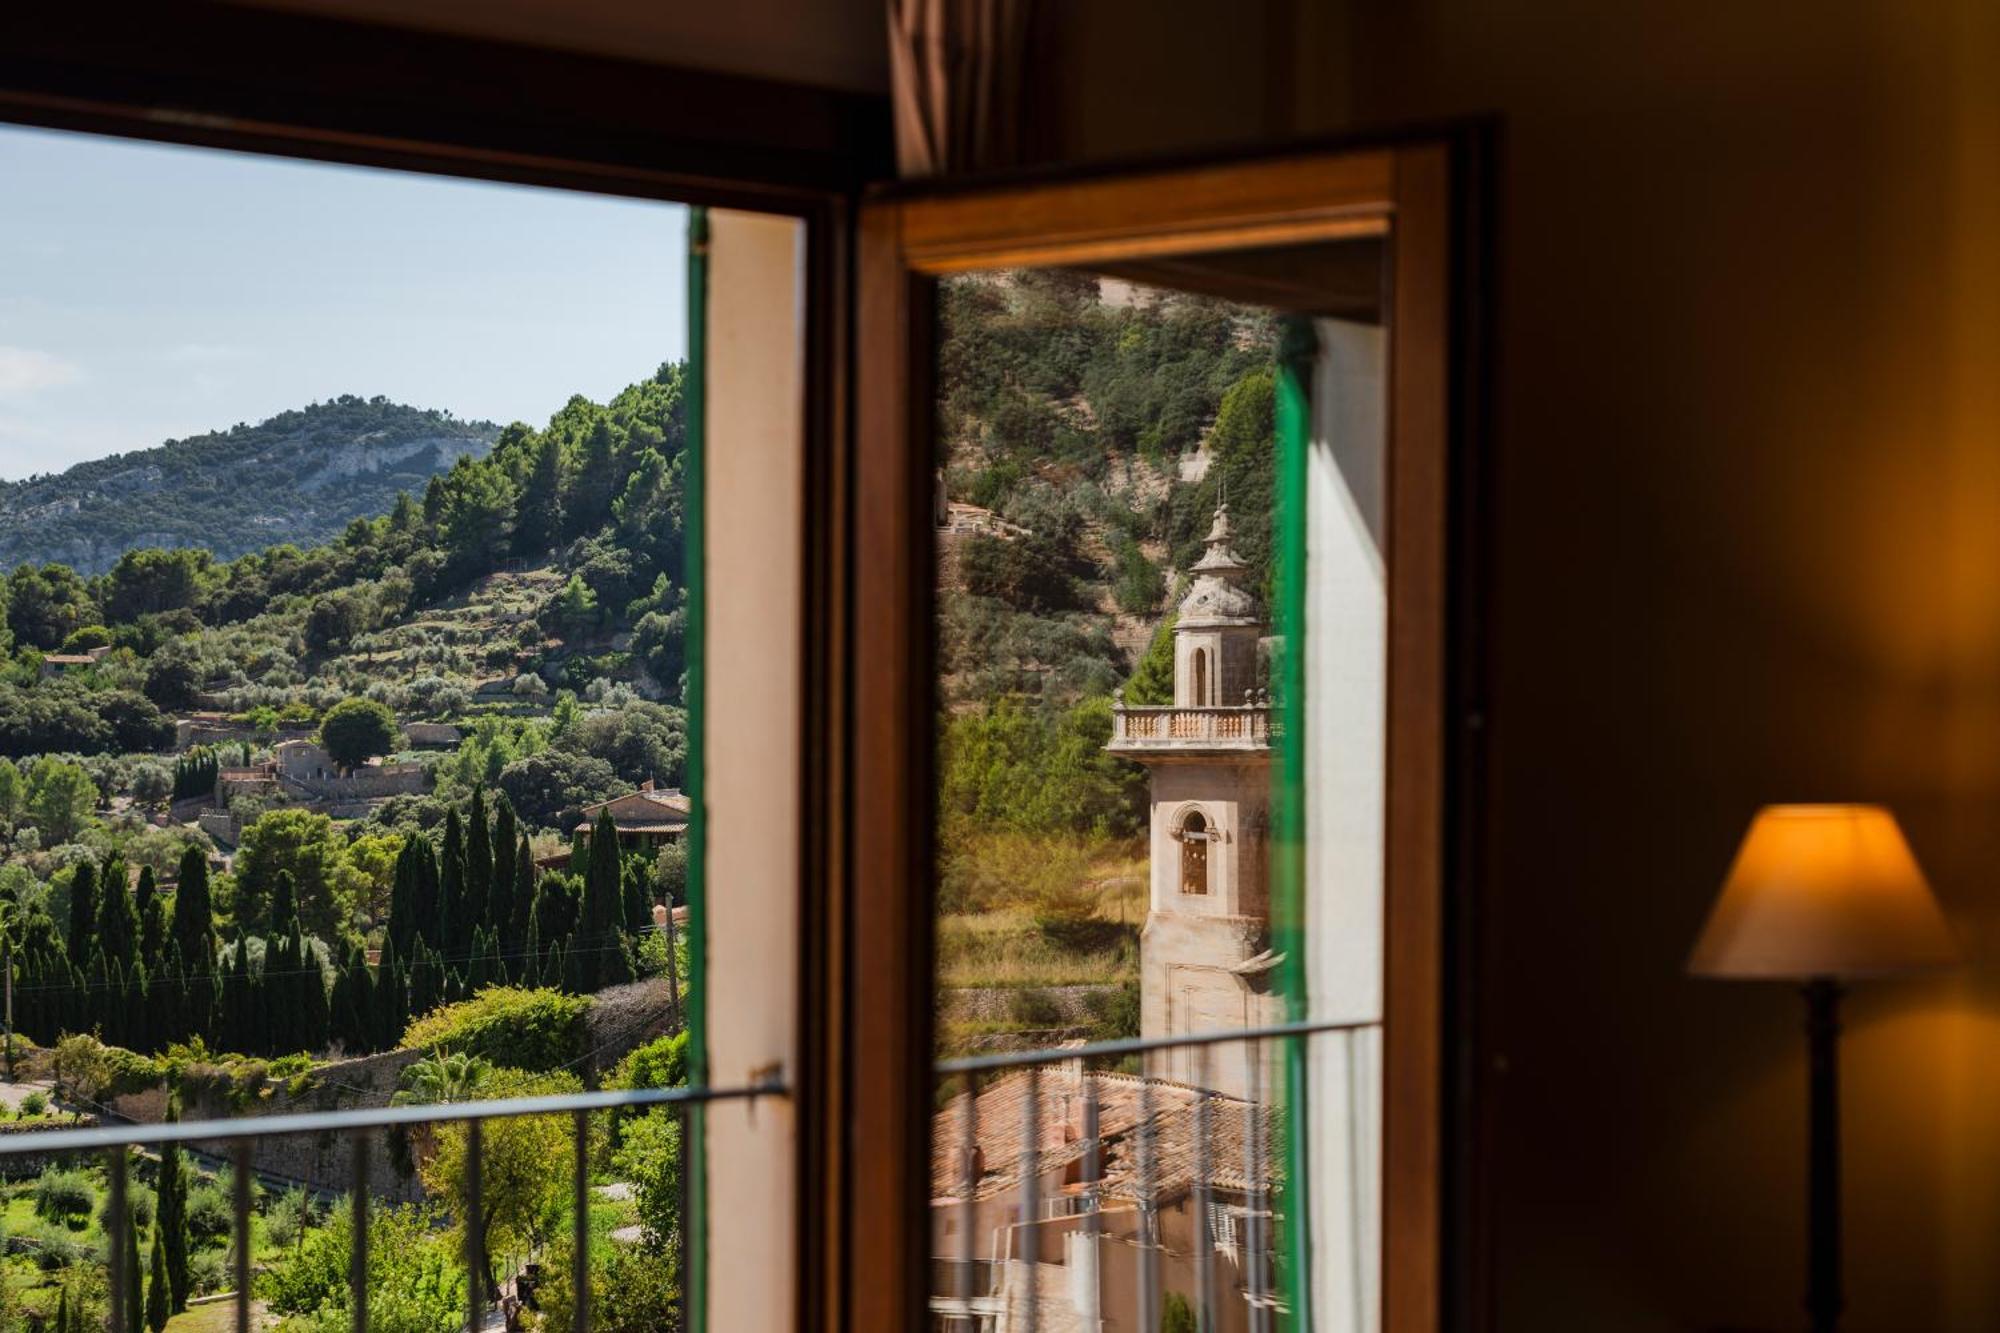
(1822, 894)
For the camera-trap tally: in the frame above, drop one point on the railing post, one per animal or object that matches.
(475, 1240)
(122, 1320)
(969, 1172)
(1031, 1184)
(357, 1259)
(579, 1266)
(1204, 1197)
(240, 1206)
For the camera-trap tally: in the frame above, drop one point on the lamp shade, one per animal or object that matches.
(1823, 891)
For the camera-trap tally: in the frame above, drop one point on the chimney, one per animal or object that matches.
(647, 785)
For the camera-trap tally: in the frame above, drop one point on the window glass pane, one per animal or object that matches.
(344, 741)
(1161, 675)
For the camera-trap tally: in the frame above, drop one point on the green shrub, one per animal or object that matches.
(208, 1272)
(34, 1104)
(139, 1198)
(62, 1193)
(1114, 1013)
(1034, 1007)
(288, 1218)
(52, 1247)
(208, 1211)
(660, 1063)
(536, 1030)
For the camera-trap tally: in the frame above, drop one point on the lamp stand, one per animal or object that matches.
(1823, 1295)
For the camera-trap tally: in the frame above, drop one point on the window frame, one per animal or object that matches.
(1422, 194)
(361, 94)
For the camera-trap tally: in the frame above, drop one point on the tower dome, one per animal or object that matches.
(1217, 595)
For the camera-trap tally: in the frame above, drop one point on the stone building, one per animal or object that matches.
(647, 819)
(1206, 961)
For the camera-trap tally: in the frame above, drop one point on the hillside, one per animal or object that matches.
(298, 478)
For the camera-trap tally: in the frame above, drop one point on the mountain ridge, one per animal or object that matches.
(298, 477)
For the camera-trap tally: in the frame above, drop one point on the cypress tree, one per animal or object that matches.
(500, 903)
(62, 1311)
(117, 922)
(159, 1300)
(638, 895)
(315, 1017)
(236, 1032)
(82, 912)
(194, 925)
(521, 907)
(478, 866)
(284, 904)
(391, 999)
(453, 932)
(170, 1214)
(603, 906)
(402, 927)
(135, 1283)
(152, 921)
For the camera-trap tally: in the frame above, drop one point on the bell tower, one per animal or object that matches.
(1205, 957)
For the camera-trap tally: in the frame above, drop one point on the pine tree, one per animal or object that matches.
(194, 925)
(159, 1300)
(478, 866)
(82, 912)
(538, 513)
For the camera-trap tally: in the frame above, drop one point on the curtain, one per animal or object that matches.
(958, 70)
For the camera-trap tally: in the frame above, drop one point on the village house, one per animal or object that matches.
(432, 735)
(647, 819)
(54, 664)
(1121, 1169)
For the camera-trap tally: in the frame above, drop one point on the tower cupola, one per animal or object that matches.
(1216, 632)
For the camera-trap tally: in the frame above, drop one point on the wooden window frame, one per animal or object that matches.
(1421, 197)
(333, 90)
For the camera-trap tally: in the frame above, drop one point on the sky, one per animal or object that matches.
(150, 293)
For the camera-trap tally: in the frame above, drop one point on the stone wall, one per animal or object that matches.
(320, 1161)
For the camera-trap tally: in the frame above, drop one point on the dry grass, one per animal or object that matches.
(1017, 885)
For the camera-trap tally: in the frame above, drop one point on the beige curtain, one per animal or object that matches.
(959, 71)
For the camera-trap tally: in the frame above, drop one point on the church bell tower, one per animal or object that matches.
(1206, 961)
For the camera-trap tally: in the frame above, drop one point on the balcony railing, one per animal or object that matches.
(1234, 727)
(1121, 1150)
(360, 1125)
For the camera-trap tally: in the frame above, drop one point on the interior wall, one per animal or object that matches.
(1748, 517)
(1748, 468)
(829, 43)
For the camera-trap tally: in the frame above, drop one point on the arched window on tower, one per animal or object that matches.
(1200, 695)
(1194, 836)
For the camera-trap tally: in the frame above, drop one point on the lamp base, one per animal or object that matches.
(1824, 1299)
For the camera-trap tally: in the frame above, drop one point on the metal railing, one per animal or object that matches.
(1164, 1130)
(115, 1141)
